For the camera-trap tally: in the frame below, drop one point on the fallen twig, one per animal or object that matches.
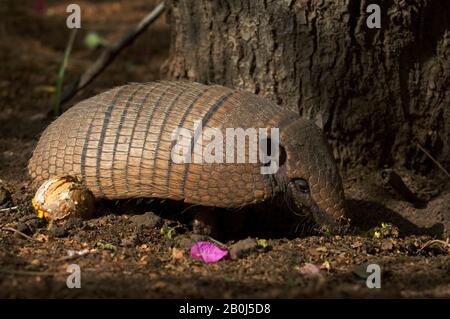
(435, 241)
(216, 242)
(109, 54)
(75, 254)
(434, 160)
(9, 208)
(20, 233)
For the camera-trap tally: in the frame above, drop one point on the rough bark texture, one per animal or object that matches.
(379, 91)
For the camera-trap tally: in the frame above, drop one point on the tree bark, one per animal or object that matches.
(378, 91)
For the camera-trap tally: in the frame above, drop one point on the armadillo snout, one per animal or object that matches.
(325, 207)
(314, 182)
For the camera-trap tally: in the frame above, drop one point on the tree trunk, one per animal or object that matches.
(380, 92)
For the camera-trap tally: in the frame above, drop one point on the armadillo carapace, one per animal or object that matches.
(119, 143)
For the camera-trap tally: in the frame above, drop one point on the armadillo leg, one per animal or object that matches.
(205, 221)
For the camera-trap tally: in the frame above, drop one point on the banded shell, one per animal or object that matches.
(121, 143)
(62, 196)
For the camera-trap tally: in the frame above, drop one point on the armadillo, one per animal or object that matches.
(119, 144)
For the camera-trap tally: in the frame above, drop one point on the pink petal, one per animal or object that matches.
(309, 269)
(207, 252)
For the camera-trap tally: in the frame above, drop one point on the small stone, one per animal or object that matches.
(387, 245)
(130, 241)
(35, 262)
(322, 249)
(177, 253)
(58, 232)
(74, 223)
(357, 244)
(148, 219)
(243, 248)
(186, 242)
(36, 223)
(23, 228)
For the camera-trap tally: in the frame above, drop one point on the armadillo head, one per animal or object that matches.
(310, 174)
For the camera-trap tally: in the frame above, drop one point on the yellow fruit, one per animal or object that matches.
(63, 196)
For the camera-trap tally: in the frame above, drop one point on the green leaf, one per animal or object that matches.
(170, 232)
(106, 246)
(93, 40)
(262, 243)
(386, 230)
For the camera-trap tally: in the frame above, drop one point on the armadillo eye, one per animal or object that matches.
(301, 184)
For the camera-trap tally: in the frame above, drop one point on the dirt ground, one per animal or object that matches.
(125, 256)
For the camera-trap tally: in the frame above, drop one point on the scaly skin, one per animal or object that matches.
(119, 144)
